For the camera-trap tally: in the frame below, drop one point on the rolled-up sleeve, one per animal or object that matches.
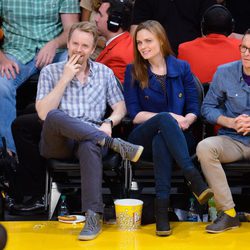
(114, 93)
(45, 84)
(70, 6)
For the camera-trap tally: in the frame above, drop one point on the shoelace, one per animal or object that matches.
(91, 223)
(218, 217)
(124, 149)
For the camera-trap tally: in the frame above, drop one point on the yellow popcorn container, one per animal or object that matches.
(128, 214)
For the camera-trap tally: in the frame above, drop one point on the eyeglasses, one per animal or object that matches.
(243, 49)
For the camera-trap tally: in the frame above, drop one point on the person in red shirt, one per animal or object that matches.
(206, 53)
(113, 22)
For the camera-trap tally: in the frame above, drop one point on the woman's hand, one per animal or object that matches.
(183, 122)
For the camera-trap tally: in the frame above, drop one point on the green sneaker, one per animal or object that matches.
(92, 227)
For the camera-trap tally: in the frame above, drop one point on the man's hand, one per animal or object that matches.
(242, 124)
(71, 68)
(106, 128)
(46, 54)
(8, 68)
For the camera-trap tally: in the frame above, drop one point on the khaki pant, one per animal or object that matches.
(211, 153)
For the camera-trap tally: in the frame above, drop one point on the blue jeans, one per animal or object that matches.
(8, 95)
(164, 143)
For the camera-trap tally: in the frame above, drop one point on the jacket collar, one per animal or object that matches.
(172, 67)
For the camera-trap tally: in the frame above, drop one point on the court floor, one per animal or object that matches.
(37, 235)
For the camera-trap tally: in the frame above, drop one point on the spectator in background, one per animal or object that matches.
(206, 53)
(162, 100)
(240, 11)
(89, 11)
(34, 36)
(113, 22)
(181, 19)
(227, 103)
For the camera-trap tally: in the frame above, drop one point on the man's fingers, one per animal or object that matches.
(13, 73)
(72, 58)
(2, 72)
(7, 73)
(48, 60)
(16, 67)
(76, 59)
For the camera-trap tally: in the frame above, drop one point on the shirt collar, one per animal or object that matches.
(113, 38)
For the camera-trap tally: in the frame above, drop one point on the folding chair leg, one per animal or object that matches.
(54, 198)
(127, 176)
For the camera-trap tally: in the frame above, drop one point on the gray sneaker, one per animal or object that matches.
(92, 227)
(222, 223)
(127, 150)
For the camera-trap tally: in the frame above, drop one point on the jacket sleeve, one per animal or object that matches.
(191, 94)
(131, 89)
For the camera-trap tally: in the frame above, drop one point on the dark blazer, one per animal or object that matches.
(181, 98)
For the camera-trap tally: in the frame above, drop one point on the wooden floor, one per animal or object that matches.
(55, 235)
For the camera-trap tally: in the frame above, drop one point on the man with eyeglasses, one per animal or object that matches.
(227, 103)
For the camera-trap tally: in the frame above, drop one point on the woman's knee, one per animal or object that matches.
(166, 118)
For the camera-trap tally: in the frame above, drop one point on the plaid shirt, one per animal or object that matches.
(29, 24)
(88, 101)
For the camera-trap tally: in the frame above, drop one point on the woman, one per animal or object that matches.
(162, 100)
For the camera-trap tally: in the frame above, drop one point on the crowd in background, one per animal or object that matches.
(79, 65)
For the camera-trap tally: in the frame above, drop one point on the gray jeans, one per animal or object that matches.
(213, 151)
(64, 137)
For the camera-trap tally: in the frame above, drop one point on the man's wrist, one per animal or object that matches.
(109, 121)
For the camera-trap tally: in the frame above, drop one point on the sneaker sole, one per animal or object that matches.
(204, 196)
(163, 233)
(88, 237)
(221, 231)
(138, 154)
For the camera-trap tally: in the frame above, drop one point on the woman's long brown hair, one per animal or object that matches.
(140, 69)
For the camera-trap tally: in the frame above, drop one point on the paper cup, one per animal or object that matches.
(128, 214)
